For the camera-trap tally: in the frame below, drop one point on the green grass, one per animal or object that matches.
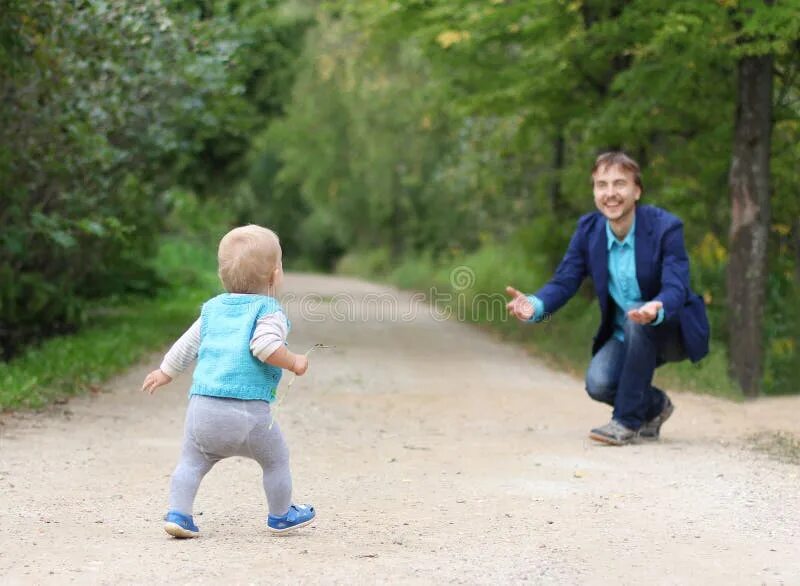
(117, 335)
(564, 341)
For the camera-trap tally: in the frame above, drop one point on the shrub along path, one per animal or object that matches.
(432, 452)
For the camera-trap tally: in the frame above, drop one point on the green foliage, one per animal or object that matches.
(117, 334)
(498, 109)
(240, 73)
(109, 111)
(84, 124)
(376, 262)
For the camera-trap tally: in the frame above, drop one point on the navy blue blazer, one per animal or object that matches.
(662, 271)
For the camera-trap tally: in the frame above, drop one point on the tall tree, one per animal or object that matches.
(750, 206)
(750, 214)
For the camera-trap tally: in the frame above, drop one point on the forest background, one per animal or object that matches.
(391, 140)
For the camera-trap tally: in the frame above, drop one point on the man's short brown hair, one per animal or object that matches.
(618, 158)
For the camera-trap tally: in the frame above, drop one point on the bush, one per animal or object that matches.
(85, 127)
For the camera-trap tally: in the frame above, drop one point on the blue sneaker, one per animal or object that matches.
(298, 516)
(180, 525)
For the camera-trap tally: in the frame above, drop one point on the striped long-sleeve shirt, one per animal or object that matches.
(269, 335)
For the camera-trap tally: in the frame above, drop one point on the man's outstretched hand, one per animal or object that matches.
(519, 306)
(646, 313)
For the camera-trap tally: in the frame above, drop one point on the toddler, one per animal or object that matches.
(239, 342)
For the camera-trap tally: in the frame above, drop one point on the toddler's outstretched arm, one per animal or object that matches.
(178, 359)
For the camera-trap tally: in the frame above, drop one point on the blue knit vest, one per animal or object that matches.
(225, 365)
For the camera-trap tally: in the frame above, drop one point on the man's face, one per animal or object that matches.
(615, 193)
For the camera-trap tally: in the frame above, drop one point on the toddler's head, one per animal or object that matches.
(250, 260)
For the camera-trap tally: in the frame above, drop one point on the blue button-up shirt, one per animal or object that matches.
(622, 284)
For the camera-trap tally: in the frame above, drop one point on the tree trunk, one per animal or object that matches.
(750, 215)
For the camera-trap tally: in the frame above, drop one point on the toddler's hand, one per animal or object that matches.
(300, 365)
(154, 380)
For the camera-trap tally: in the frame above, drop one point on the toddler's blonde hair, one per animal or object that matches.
(248, 257)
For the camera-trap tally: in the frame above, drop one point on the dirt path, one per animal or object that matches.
(433, 454)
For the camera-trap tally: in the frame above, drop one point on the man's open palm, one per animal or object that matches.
(519, 306)
(646, 313)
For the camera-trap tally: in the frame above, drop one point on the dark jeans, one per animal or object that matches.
(621, 373)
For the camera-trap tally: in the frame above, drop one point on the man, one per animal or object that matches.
(636, 257)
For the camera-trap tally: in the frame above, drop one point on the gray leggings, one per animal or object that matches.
(219, 428)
